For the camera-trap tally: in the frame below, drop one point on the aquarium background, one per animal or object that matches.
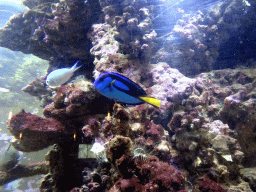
(181, 42)
(17, 70)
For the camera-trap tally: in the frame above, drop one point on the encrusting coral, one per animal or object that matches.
(141, 174)
(52, 29)
(200, 36)
(196, 140)
(228, 95)
(34, 133)
(74, 100)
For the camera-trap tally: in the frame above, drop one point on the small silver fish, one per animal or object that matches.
(4, 90)
(61, 76)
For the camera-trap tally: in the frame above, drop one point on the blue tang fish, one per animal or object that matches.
(122, 89)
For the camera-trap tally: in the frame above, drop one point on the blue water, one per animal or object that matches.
(11, 63)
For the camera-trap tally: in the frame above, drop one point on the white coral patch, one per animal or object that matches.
(97, 147)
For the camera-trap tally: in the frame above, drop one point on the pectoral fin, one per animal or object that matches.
(120, 85)
(153, 101)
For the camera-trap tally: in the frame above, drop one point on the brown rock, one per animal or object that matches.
(34, 133)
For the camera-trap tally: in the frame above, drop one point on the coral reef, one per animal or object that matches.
(192, 46)
(169, 84)
(62, 164)
(248, 174)
(119, 124)
(150, 175)
(125, 156)
(206, 184)
(196, 140)
(130, 31)
(74, 100)
(125, 41)
(96, 180)
(66, 171)
(141, 174)
(163, 177)
(243, 186)
(118, 147)
(34, 133)
(206, 147)
(206, 128)
(52, 29)
(228, 95)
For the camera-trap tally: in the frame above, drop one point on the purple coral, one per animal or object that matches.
(161, 174)
(126, 185)
(150, 174)
(206, 184)
(91, 130)
(153, 131)
(36, 133)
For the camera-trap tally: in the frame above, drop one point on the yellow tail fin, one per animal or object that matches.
(152, 101)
